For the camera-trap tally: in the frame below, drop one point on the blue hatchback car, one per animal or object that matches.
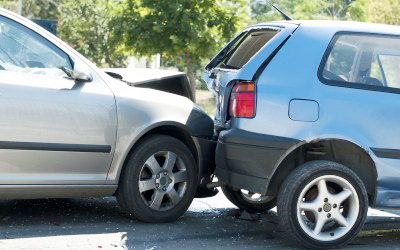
(308, 120)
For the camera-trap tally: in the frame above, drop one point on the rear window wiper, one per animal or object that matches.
(225, 66)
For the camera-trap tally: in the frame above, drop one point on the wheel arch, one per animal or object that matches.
(170, 128)
(342, 151)
(196, 133)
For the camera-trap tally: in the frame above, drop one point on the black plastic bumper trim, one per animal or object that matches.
(206, 156)
(247, 138)
(200, 124)
(242, 181)
(247, 160)
(40, 146)
(386, 153)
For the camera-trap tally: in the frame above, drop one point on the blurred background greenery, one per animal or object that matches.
(186, 33)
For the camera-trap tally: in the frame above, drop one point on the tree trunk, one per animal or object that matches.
(108, 58)
(190, 73)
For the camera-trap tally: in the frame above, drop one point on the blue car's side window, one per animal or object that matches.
(340, 61)
(389, 68)
(364, 61)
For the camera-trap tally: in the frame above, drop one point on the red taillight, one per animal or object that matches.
(243, 102)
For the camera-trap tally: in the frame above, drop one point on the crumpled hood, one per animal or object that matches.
(141, 75)
(165, 80)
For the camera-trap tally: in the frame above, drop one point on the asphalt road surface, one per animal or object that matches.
(209, 224)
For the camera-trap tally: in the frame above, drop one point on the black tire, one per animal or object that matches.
(133, 202)
(236, 197)
(297, 183)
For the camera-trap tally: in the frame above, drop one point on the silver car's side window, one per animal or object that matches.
(23, 50)
(362, 61)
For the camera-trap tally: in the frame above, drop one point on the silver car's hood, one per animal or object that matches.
(142, 75)
(165, 80)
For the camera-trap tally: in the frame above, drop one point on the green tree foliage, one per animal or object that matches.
(380, 11)
(185, 31)
(93, 28)
(9, 5)
(44, 9)
(304, 9)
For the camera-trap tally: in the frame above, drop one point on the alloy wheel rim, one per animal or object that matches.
(163, 180)
(334, 214)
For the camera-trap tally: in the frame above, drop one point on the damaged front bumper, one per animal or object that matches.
(206, 160)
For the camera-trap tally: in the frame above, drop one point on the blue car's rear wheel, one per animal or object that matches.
(322, 204)
(247, 200)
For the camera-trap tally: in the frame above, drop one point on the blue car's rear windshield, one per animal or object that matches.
(247, 47)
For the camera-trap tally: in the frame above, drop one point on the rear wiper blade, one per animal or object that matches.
(225, 66)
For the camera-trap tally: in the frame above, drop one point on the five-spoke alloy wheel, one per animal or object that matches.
(322, 204)
(159, 181)
(339, 209)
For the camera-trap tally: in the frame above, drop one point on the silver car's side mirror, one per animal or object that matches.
(81, 72)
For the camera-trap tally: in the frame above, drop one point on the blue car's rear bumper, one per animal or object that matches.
(246, 160)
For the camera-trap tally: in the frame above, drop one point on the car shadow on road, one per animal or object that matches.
(197, 229)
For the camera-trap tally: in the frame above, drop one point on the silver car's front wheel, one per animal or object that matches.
(322, 204)
(159, 181)
(163, 180)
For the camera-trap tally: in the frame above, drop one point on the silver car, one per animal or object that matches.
(68, 129)
(308, 120)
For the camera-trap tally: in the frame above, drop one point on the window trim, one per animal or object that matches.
(381, 67)
(385, 53)
(353, 85)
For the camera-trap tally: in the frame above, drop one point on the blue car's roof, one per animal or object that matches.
(336, 26)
